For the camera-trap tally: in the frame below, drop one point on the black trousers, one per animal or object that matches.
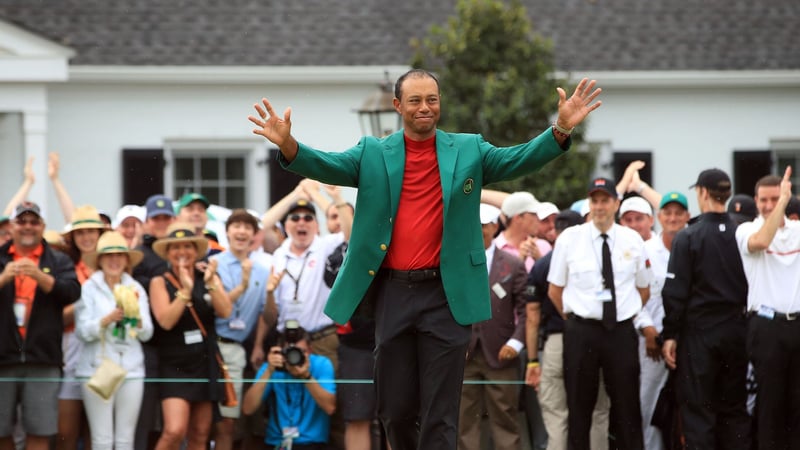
(774, 349)
(419, 365)
(588, 348)
(712, 395)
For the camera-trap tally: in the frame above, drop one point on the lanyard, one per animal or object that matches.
(296, 279)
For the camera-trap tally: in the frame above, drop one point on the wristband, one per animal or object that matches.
(183, 297)
(562, 130)
(533, 364)
(210, 288)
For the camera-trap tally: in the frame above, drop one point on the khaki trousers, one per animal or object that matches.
(500, 401)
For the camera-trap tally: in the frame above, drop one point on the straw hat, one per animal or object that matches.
(180, 232)
(85, 217)
(112, 242)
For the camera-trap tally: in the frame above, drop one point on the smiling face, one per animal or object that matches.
(113, 264)
(673, 218)
(85, 239)
(419, 106)
(195, 214)
(302, 227)
(641, 223)
(27, 230)
(181, 254)
(240, 237)
(129, 227)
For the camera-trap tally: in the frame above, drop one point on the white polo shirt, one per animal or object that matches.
(302, 292)
(773, 275)
(577, 262)
(652, 313)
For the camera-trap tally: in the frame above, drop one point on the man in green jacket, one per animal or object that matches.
(416, 252)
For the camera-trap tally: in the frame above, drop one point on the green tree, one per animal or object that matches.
(497, 78)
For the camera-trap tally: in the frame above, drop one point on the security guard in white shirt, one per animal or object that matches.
(599, 277)
(770, 249)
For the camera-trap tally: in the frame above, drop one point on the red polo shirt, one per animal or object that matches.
(417, 233)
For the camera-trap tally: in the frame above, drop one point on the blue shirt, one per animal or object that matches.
(293, 405)
(248, 307)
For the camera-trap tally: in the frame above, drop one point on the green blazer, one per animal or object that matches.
(375, 166)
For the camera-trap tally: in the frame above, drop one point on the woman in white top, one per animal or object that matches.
(100, 317)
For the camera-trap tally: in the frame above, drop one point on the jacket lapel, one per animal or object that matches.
(394, 158)
(446, 156)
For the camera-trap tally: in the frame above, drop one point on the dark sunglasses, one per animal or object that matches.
(31, 222)
(305, 217)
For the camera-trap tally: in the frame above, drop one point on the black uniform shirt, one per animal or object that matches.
(705, 283)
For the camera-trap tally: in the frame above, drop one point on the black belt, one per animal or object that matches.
(785, 317)
(580, 319)
(319, 334)
(413, 276)
(225, 340)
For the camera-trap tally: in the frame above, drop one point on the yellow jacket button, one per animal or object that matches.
(383, 247)
(372, 273)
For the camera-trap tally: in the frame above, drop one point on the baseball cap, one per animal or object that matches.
(714, 179)
(546, 209)
(519, 203)
(137, 212)
(742, 208)
(674, 197)
(301, 204)
(603, 185)
(158, 205)
(26, 207)
(489, 214)
(4, 219)
(193, 197)
(567, 218)
(635, 204)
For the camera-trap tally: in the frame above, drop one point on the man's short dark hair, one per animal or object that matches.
(768, 180)
(241, 215)
(413, 73)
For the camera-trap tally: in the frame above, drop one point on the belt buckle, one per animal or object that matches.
(791, 316)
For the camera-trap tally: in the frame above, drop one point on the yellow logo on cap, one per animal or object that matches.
(160, 203)
(673, 196)
(180, 234)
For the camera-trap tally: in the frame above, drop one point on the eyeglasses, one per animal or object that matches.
(31, 222)
(304, 217)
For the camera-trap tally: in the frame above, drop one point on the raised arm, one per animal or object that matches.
(64, 200)
(24, 188)
(343, 208)
(278, 210)
(276, 130)
(761, 239)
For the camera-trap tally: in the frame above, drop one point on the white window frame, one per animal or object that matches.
(783, 149)
(254, 153)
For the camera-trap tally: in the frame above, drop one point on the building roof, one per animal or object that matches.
(617, 35)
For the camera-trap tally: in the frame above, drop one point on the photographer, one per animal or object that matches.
(302, 399)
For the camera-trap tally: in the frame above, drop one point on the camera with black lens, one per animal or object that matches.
(293, 355)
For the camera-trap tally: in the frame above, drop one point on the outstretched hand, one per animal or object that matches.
(269, 125)
(786, 183)
(572, 110)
